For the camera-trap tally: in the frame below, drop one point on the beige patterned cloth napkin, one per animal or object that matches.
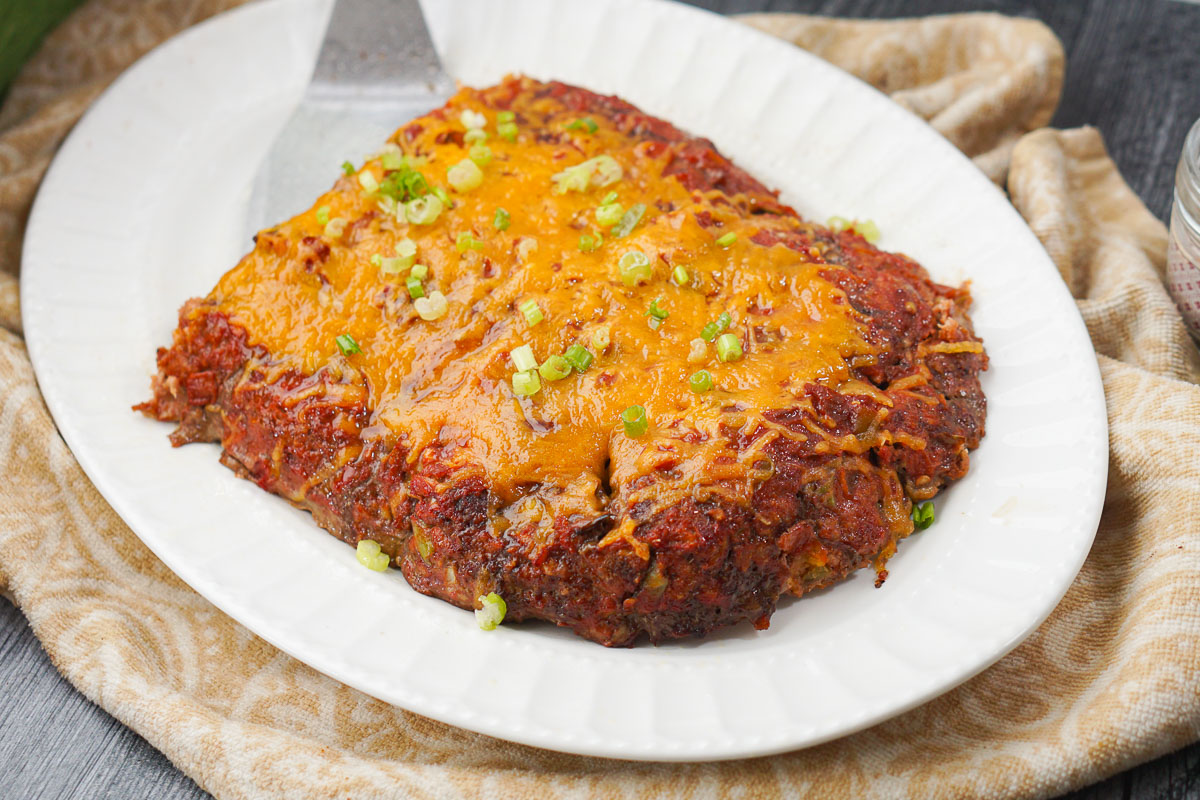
(1111, 679)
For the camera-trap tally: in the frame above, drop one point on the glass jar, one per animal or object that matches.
(1183, 245)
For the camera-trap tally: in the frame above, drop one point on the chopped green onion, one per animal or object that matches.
(656, 312)
(532, 311)
(491, 611)
(837, 224)
(377, 260)
(584, 124)
(600, 338)
(406, 248)
(347, 168)
(635, 268)
(391, 266)
(371, 556)
(367, 180)
(526, 384)
(587, 243)
(698, 352)
(868, 230)
(502, 220)
(634, 419)
(323, 215)
(709, 332)
(415, 289)
(475, 135)
(472, 119)
(522, 358)
(464, 176)
(423, 210)
(404, 184)
(922, 515)
(347, 345)
(336, 227)
(700, 381)
(419, 271)
(442, 195)
(729, 347)
(609, 214)
(555, 368)
(481, 154)
(579, 357)
(507, 131)
(432, 307)
(629, 220)
(723, 321)
(598, 171)
(609, 198)
(727, 239)
(391, 160)
(505, 116)
(681, 276)
(465, 241)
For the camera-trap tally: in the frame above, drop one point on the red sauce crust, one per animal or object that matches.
(816, 514)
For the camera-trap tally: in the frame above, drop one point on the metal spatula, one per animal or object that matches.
(376, 70)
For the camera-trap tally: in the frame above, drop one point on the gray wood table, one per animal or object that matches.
(1133, 68)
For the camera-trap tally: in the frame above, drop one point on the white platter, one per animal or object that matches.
(143, 208)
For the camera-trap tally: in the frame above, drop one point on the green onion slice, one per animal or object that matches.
(723, 322)
(729, 347)
(502, 220)
(432, 307)
(391, 266)
(391, 160)
(368, 181)
(464, 176)
(371, 556)
(419, 271)
(481, 154)
(635, 268)
(505, 116)
(629, 220)
(507, 131)
(532, 311)
(599, 171)
(584, 124)
(709, 332)
(491, 611)
(700, 381)
(415, 289)
(655, 312)
(579, 357)
(347, 345)
(609, 198)
(347, 168)
(472, 119)
(475, 136)
(610, 214)
(922, 515)
(323, 215)
(555, 368)
(522, 358)
(465, 241)
(680, 275)
(634, 420)
(336, 227)
(587, 243)
(727, 239)
(526, 384)
(423, 210)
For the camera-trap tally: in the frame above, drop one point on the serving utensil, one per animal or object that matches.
(376, 69)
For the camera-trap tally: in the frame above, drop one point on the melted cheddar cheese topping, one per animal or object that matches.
(448, 381)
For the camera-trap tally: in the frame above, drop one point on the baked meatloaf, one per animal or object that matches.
(547, 346)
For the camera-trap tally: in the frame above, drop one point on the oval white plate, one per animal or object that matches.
(143, 209)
